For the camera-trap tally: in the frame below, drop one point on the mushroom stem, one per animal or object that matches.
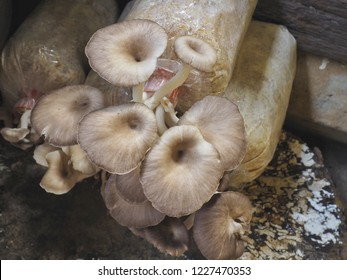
(137, 92)
(24, 121)
(177, 80)
(160, 117)
(171, 118)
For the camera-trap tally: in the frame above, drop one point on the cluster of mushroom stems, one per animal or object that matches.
(160, 173)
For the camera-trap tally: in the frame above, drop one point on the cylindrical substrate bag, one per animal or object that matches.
(261, 87)
(47, 50)
(221, 23)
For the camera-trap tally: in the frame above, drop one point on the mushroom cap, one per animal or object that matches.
(181, 172)
(126, 53)
(137, 215)
(56, 115)
(60, 177)
(218, 224)
(196, 52)
(221, 124)
(14, 135)
(128, 186)
(117, 138)
(169, 237)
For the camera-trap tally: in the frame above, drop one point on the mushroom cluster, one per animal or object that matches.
(161, 172)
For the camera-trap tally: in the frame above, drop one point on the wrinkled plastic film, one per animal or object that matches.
(47, 50)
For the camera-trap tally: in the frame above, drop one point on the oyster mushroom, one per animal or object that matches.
(128, 186)
(41, 152)
(117, 138)
(60, 177)
(23, 136)
(219, 224)
(56, 115)
(181, 172)
(14, 135)
(137, 215)
(169, 237)
(125, 53)
(194, 52)
(221, 124)
(79, 160)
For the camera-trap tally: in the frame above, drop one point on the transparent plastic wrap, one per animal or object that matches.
(47, 50)
(5, 20)
(261, 87)
(221, 23)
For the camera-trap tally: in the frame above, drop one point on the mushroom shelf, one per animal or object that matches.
(297, 215)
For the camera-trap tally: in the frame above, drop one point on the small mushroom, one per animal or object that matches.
(181, 172)
(79, 160)
(14, 135)
(60, 177)
(56, 115)
(194, 52)
(117, 138)
(219, 224)
(221, 124)
(126, 53)
(171, 118)
(23, 136)
(41, 152)
(169, 237)
(137, 215)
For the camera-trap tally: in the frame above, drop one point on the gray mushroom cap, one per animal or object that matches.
(128, 186)
(56, 114)
(219, 224)
(169, 237)
(196, 52)
(137, 215)
(181, 172)
(126, 53)
(221, 124)
(117, 138)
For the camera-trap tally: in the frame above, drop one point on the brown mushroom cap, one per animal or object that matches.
(221, 124)
(218, 224)
(117, 138)
(181, 172)
(169, 237)
(196, 52)
(128, 186)
(137, 215)
(126, 53)
(56, 115)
